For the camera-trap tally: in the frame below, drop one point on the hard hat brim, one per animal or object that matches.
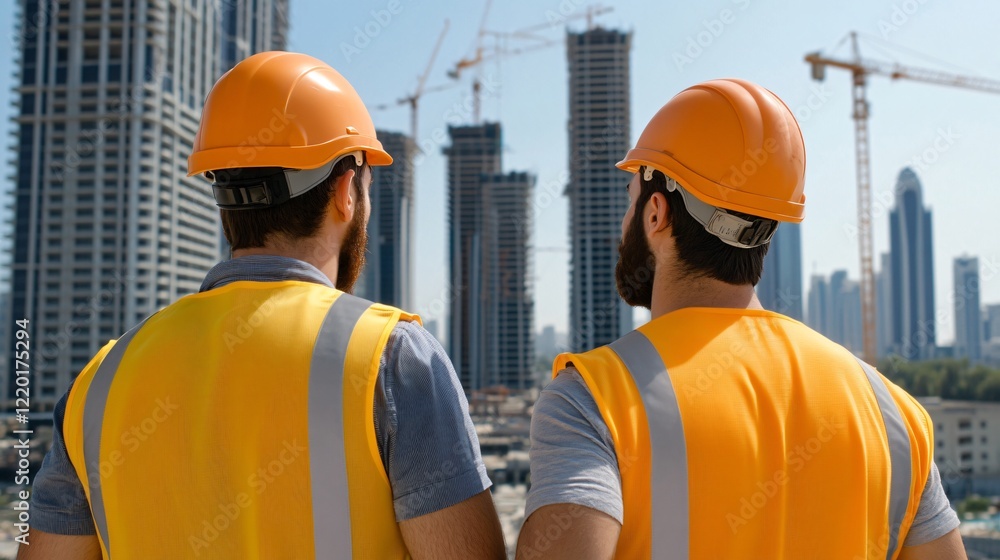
(288, 157)
(711, 192)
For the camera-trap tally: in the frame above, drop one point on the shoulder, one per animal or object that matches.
(566, 409)
(414, 367)
(409, 342)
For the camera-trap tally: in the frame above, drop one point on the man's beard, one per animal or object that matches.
(636, 265)
(352, 253)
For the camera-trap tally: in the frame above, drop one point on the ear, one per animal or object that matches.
(656, 214)
(343, 199)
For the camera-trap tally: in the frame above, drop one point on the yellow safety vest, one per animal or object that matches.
(237, 423)
(745, 434)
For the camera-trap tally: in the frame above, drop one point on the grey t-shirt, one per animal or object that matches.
(425, 436)
(573, 461)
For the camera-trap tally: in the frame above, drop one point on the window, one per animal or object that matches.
(965, 440)
(964, 424)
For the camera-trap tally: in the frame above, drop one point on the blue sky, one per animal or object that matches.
(948, 135)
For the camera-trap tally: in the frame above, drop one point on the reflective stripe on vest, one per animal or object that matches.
(329, 483)
(93, 421)
(328, 470)
(899, 456)
(669, 485)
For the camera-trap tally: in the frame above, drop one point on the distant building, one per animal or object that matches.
(780, 286)
(967, 436)
(599, 136)
(432, 327)
(883, 306)
(508, 197)
(489, 223)
(108, 227)
(912, 271)
(851, 336)
(817, 309)
(968, 321)
(835, 309)
(991, 322)
(388, 274)
(546, 346)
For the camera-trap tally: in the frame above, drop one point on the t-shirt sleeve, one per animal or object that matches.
(573, 459)
(935, 518)
(425, 435)
(58, 502)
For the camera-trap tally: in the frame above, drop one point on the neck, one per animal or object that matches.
(671, 292)
(324, 256)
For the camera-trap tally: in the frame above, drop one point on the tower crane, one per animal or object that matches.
(484, 53)
(860, 68)
(413, 99)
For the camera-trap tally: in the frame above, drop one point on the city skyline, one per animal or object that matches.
(946, 146)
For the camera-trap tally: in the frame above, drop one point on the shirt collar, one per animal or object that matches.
(262, 268)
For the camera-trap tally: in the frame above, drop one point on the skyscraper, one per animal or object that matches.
(780, 286)
(107, 226)
(473, 154)
(968, 317)
(489, 223)
(509, 198)
(599, 107)
(388, 274)
(912, 271)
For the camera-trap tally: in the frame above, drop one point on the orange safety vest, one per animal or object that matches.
(237, 423)
(745, 434)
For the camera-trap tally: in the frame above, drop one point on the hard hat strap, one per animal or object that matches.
(734, 230)
(262, 191)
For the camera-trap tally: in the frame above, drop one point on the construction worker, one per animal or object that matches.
(720, 429)
(272, 414)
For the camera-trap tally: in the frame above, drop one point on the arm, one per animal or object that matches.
(568, 532)
(574, 508)
(61, 524)
(469, 529)
(431, 452)
(50, 545)
(934, 534)
(948, 547)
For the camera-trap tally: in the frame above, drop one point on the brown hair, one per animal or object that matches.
(701, 254)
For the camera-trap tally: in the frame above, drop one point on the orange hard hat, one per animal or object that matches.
(283, 109)
(730, 143)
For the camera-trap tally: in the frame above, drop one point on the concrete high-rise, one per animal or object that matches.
(780, 286)
(599, 136)
(968, 316)
(509, 197)
(107, 226)
(388, 274)
(490, 330)
(912, 271)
